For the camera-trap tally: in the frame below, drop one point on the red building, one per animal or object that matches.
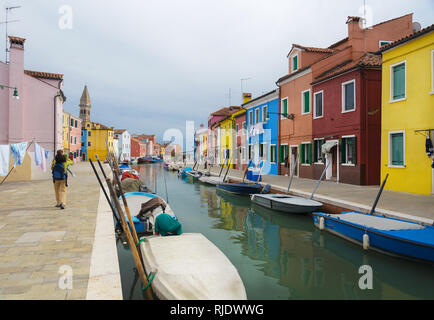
(347, 122)
(138, 148)
(346, 103)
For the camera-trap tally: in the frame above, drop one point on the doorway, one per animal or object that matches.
(332, 157)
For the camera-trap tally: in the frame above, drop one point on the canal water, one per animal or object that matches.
(278, 256)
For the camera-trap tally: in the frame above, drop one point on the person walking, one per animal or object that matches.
(59, 169)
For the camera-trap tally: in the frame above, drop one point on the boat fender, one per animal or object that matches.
(365, 241)
(321, 223)
(266, 189)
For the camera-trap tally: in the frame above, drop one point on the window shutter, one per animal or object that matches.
(285, 107)
(354, 151)
(399, 81)
(306, 102)
(309, 153)
(280, 154)
(343, 153)
(302, 153)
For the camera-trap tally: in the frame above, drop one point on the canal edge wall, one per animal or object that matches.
(104, 276)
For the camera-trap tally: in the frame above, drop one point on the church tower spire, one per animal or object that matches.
(85, 105)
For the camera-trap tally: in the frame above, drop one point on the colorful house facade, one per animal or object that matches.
(262, 117)
(138, 148)
(99, 138)
(35, 116)
(124, 144)
(408, 113)
(241, 140)
(72, 136)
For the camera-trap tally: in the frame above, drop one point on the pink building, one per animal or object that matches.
(36, 116)
(74, 138)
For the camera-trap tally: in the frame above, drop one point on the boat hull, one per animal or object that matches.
(211, 180)
(406, 243)
(239, 188)
(290, 204)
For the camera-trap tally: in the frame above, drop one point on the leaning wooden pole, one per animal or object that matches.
(127, 209)
(133, 245)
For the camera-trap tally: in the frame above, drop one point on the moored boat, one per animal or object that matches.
(389, 235)
(190, 267)
(134, 201)
(286, 203)
(240, 188)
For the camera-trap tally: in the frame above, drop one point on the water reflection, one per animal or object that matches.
(283, 256)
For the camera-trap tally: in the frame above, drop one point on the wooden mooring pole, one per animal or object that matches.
(133, 245)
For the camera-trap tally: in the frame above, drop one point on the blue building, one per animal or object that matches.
(262, 117)
(83, 145)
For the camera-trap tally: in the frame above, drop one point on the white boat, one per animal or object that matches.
(190, 267)
(286, 203)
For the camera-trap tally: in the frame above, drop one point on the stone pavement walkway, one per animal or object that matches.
(41, 244)
(361, 198)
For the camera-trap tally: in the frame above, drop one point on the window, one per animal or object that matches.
(250, 152)
(318, 100)
(273, 153)
(89, 144)
(349, 150)
(261, 150)
(383, 42)
(305, 102)
(397, 81)
(75, 140)
(256, 115)
(264, 152)
(72, 122)
(89, 134)
(71, 140)
(397, 148)
(82, 144)
(306, 153)
(250, 117)
(264, 114)
(283, 153)
(76, 124)
(284, 108)
(236, 128)
(317, 150)
(348, 96)
(295, 63)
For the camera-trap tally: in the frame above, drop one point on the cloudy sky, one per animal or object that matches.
(150, 65)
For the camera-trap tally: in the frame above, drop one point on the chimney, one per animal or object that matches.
(247, 97)
(16, 79)
(356, 36)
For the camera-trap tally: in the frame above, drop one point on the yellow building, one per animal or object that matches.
(65, 127)
(408, 113)
(228, 141)
(98, 137)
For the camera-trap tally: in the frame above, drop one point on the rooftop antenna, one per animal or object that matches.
(6, 22)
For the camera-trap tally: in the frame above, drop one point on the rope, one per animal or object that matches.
(151, 276)
(143, 240)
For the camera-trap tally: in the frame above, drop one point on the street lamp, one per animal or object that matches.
(16, 96)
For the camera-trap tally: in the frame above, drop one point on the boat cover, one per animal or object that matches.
(190, 267)
(376, 222)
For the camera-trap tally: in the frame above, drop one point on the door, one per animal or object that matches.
(334, 163)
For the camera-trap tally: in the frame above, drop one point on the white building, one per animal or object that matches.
(124, 144)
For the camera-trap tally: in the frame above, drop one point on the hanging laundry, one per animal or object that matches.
(43, 160)
(18, 152)
(4, 159)
(47, 153)
(429, 146)
(38, 155)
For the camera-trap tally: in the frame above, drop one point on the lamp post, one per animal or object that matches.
(15, 90)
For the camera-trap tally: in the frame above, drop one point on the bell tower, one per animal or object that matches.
(85, 106)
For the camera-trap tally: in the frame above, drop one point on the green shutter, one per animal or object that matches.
(354, 150)
(280, 154)
(302, 153)
(399, 81)
(295, 63)
(309, 153)
(343, 151)
(306, 102)
(285, 107)
(398, 149)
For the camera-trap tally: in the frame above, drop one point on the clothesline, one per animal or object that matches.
(18, 151)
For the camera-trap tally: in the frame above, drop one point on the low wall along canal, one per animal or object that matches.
(278, 256)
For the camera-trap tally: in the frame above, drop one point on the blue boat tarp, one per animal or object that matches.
(399, 236)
